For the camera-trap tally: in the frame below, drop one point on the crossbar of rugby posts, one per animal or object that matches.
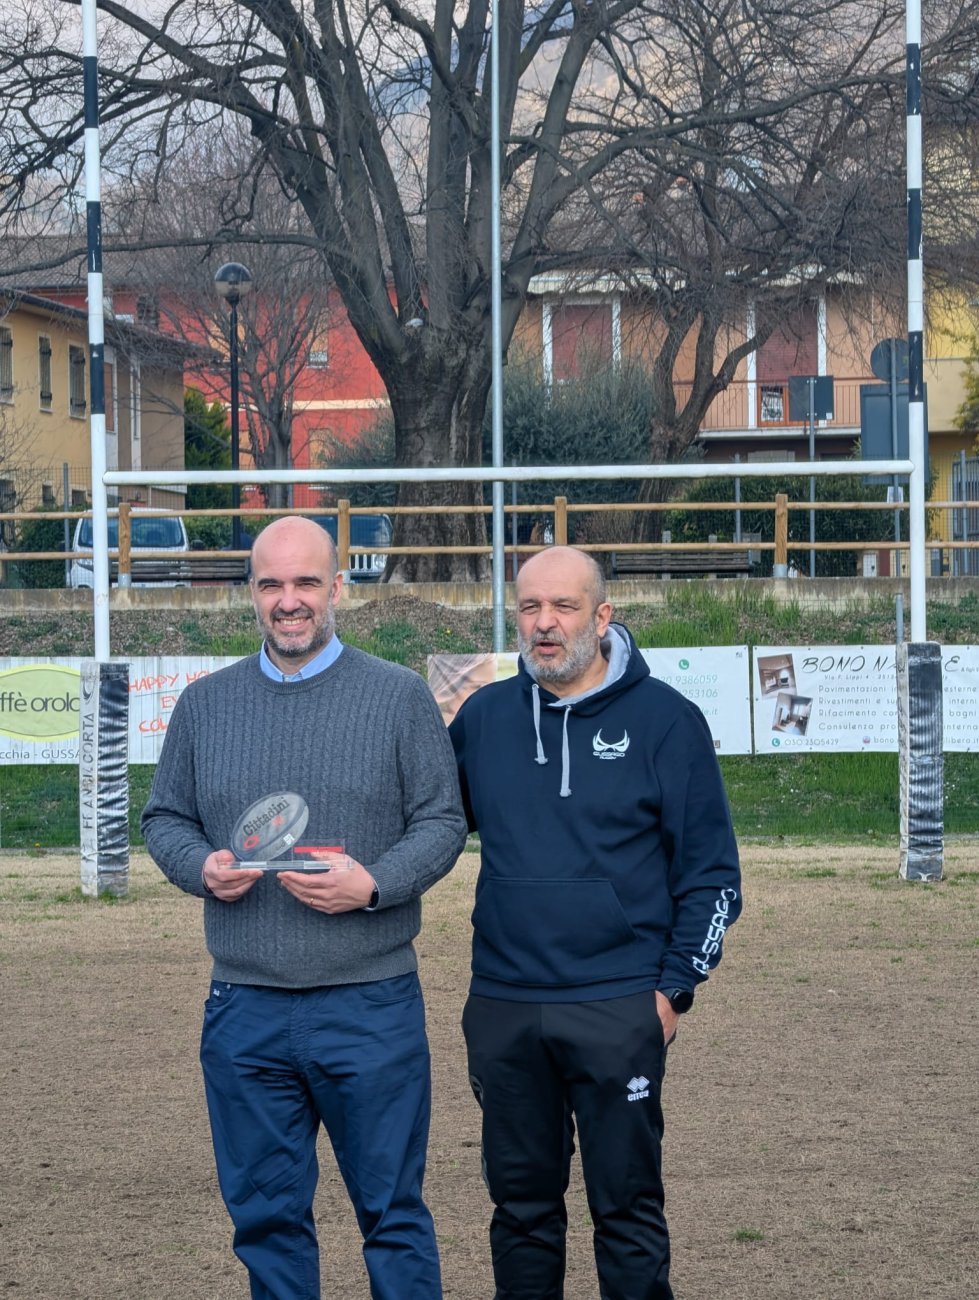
(531, 473)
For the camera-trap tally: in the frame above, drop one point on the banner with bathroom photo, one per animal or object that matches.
(844, 698)
(812, 698)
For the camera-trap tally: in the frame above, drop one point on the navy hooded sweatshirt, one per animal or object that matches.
(609, 864)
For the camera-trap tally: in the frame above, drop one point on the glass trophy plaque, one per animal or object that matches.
(267, 836)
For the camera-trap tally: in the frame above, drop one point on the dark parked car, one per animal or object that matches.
(365, 530)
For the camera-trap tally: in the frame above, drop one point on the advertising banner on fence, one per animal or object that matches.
(154, 688)
(844, 698)
(960, 698)
(453, 678)
(39, 705)
(841, 698)
(714, 677)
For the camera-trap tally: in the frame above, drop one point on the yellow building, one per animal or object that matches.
(44, 404)
(950, 338)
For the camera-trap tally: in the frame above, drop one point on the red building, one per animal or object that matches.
(322, 372)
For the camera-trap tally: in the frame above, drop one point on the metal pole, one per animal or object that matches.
(235, 460)
(96, 333)
(916, 404)
(496, 307)
(103, 711)
(514, 531)
(232, 281)
(919, 662)
(65, 497)
(737, 497)
(892, 384)
(811, 387)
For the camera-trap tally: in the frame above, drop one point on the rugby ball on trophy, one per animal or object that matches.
(269, 827)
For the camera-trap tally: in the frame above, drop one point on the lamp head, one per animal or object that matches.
(232, 282)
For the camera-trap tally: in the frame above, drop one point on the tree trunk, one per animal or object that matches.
(270, 434)
(674, 432)
(438, 421)
(649, 523)
(669, 443)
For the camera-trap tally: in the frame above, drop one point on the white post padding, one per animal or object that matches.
(103, 778)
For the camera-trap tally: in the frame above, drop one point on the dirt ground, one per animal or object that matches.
(821, 1098)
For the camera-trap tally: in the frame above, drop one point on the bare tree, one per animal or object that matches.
(211, 208)
(762, 138)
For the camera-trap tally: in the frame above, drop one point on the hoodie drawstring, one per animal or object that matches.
(541, 756)
(565, 758)
(565, 749)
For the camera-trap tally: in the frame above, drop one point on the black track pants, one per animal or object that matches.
(538, 1070)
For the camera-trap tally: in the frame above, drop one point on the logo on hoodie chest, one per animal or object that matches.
(610, 748)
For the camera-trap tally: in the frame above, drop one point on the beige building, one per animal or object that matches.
(834, 333)
(44, 404)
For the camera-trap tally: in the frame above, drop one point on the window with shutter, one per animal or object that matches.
(76, 382)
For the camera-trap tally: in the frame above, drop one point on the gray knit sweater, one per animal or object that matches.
(364, 744)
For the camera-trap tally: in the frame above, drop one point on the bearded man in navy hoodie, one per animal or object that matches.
(609, 876)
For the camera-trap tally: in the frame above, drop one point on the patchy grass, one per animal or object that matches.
(809, 798)
(402, 642)
(748, 1234)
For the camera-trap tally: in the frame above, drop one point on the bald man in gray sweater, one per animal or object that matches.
(315, 1013)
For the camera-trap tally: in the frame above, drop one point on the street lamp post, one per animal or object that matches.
(232, 282)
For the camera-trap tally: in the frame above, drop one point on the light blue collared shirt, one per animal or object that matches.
(327, 656)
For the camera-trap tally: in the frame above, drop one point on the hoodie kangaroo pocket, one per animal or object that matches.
(544, 932)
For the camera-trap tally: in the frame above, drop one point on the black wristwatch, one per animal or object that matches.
(680, 1000)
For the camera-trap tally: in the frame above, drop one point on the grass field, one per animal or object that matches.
(820, 1098)
(845, 798)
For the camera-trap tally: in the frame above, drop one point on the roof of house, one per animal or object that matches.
(149, 345)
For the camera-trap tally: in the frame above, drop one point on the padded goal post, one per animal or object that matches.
(921, 759)
(103, 778)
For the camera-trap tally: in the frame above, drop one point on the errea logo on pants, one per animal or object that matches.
(638, 1088)
(611, 748)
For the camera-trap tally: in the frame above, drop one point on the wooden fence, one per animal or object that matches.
(559, 510)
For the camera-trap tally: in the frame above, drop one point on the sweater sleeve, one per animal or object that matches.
(704, 873)
(435, 826)
(170, 821)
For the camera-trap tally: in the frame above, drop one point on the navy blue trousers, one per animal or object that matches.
(277, 1063)
(540, 1071)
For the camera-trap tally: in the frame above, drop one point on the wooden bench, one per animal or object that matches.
(667, 564)
(223, 568)
(184, 567)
